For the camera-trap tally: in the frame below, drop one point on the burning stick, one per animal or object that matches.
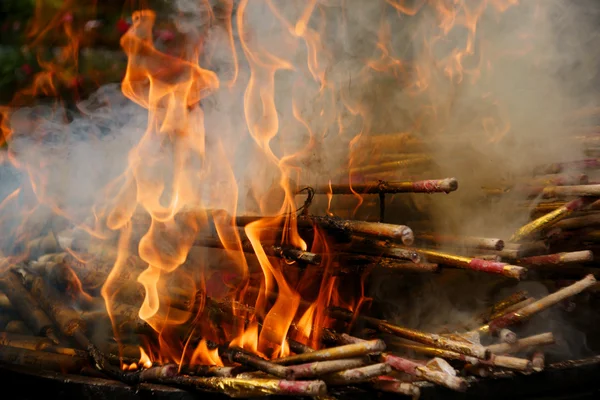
(363, 228)
(286, 252)
(576, 190)
(31, 313)
(417, 336)
(429, 186)
(357, 375)
(558, 258)
(391, 385)
(511, 271)
(42, 360)
(463, 241)
(542, 339)
(335, 353)
(543, 222)
(247, 387)
(244, 358)
(526, 312)
(320, 368)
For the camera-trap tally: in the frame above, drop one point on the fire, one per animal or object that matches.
(189, 177)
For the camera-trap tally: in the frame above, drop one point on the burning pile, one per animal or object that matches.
(169, 280)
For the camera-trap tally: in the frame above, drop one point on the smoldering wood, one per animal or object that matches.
(18, 327)
(572, 257)
(335, 353)
(320, 368)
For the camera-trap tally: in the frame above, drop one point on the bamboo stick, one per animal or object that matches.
(377, 230)
(320, 368)
(247, 387)
(462, 241)
(391, 385)
(357, 375)
(446, 185)
(244, 358)
(412, 334)
(335, 353)
(538, 361)
(507, 336)
(572, 257)
(412, 368)
(536, 226)
(543, 339)
(511, 271)
(575, 190)
(526, 312)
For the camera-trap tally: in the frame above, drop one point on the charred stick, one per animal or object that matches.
(27, 307)
(335, 353)
(244, 358)
(511, 271)
(285, 252)
(246, 387)
(536, 226)
(209, 370)
(377, 230)
(42, 360)
(528, 311)
(378, 248)
(412, 334)
(391, 385)
(446, 185)
(572, 257)
(357, 375)
(320, 368)
(462, 241)
(542, 339)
